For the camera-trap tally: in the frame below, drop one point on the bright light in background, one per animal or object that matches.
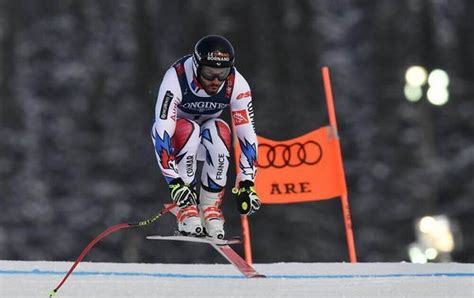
(438, 78)
(416, 254)
(435, 232)
(416, 76)
(427, 224)
(431, 253)
(413, 93)
(437, 95)
(435, 239)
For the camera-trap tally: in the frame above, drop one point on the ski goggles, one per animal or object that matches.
(211, 73)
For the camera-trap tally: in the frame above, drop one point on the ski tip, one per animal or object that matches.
(259, 276)
(220, 242)
(53, 292)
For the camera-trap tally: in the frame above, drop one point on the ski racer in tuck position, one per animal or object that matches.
(187, 129)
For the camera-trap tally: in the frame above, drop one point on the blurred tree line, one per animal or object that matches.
(78, 81)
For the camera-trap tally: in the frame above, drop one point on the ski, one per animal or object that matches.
(222, 246)
(197, 239)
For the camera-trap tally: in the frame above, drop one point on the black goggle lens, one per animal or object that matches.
(212, 73)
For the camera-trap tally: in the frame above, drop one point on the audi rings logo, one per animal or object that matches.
(293, 155)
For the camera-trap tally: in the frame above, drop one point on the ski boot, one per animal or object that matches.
(211, 215)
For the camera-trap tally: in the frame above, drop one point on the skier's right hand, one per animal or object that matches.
(182, 194)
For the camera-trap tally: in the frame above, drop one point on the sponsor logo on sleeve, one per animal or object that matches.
(165, 106)
(244, 95)
(174, 110)
(251, 114)
(240, 117)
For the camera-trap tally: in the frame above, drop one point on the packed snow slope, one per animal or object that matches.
(37, 279)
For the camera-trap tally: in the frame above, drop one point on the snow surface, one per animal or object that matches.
(37, 279)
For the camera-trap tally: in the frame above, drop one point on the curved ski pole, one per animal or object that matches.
(108, 231)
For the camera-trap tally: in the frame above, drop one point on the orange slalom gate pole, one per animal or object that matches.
(246, 236)
(344, 199)
(243, 218)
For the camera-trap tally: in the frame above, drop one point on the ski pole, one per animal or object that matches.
(108, 231)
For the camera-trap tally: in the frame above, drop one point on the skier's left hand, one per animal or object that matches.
(246, 198)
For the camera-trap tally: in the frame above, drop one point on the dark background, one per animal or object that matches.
(78, 81)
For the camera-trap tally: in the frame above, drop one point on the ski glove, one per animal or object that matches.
(182, 194)
(246, 198)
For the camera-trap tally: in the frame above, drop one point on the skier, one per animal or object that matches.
(187, 128)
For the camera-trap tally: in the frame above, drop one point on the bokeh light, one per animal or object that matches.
(412, 93)
(416, 76)
(437, 96)
(438, 78)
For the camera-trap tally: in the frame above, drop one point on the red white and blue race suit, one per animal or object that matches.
(187, 127)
